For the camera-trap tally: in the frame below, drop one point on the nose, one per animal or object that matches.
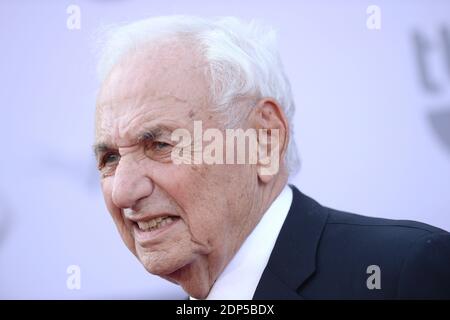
(131, 183)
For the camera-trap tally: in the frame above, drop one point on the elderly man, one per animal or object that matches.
(234, 229)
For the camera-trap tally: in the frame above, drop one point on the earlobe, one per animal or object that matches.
(268, 154)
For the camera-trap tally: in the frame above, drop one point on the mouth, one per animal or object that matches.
(145, 230)
(155, 223)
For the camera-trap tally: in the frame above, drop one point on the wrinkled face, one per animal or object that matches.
(182, 221)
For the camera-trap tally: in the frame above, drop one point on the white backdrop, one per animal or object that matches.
(372, 124)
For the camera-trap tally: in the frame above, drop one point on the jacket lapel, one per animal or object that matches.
(293, 258)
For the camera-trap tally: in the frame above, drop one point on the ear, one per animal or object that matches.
(273, 135)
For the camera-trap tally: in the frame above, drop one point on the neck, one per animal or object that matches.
(261, 197)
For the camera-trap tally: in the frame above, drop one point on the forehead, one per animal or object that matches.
(165, 82)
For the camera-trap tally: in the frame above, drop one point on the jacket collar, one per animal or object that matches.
(293, 258)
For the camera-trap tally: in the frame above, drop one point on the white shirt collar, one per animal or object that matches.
(241, 276)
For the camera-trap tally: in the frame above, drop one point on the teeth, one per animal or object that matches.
(154, 223)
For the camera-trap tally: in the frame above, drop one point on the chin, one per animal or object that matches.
(165, 267)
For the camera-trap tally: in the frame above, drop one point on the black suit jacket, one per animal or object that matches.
(323, 253)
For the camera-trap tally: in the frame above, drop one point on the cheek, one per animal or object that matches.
(217, 204)
(202, 195)
(205, 205)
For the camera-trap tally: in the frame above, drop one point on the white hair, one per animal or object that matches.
(242, 57)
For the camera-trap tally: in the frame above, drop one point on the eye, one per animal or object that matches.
(159, 145)
(108, 163)
(109, 158)
(158, 150)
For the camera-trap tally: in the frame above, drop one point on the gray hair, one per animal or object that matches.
(243, 60)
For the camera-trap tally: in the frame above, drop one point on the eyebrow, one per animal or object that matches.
(146, 136)
(99, 148)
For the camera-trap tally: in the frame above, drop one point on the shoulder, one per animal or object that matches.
(379, 228)
(414, 257)
(425, 271)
